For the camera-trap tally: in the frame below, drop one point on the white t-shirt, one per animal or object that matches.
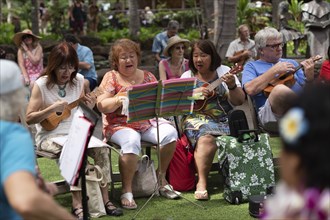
(221, 70)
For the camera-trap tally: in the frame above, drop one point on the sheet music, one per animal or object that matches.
(93, 143)
(163, 98)
(73, 148)
(175, 97)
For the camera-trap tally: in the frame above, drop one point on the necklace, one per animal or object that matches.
(61, 90)
(132, 82)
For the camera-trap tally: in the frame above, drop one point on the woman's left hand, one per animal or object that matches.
(90, 100)
(229, 79)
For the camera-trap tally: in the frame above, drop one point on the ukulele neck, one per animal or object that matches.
(214, 84)
(74, 104)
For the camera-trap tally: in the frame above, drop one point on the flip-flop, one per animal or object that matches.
(168, 192)
(201, 195)
(129, 197)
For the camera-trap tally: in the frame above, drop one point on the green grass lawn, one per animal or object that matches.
(162, 208)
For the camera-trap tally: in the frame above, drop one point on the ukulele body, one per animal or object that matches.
(289, 81)
(200, 104)
(54, 119)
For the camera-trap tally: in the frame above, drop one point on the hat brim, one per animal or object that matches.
(168, 47)
(17, 39)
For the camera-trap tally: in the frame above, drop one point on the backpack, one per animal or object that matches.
(181, 170)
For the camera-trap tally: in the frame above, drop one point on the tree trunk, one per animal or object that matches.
(10, 14)
(275, 18)
(134, 20)
(207, 7)
(35, 16)
(0, 12)
(225, 25)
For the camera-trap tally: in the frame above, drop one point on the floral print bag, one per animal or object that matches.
(246, 163)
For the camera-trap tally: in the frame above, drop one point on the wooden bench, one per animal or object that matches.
(62, 185)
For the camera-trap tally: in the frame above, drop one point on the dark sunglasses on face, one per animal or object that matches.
(180, 47)
(275, 46)
(26, 37)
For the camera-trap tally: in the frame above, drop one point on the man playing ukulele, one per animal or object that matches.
(258, 74)
(242, 49)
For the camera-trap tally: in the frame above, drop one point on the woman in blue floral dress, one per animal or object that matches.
(209, 118)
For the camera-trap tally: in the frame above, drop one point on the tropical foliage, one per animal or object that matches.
(256, 17)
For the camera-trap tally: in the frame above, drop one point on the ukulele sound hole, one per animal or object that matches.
(58, 113)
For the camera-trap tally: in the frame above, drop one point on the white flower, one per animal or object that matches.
(293, 125)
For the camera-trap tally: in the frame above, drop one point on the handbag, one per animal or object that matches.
(246, 163)
(145, 179)
(94, 179)
(181, 171)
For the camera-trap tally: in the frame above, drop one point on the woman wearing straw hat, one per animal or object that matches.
(175, 64)
(29, 55)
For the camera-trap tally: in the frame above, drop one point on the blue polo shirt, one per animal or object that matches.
(253, 69)
(16, 154)
(86, 55)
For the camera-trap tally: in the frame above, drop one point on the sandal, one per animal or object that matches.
(201, 195)
(168, 192)
(112, 210)
(78, 213)
(129, 197)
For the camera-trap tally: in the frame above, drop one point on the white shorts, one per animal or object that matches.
(267, 119)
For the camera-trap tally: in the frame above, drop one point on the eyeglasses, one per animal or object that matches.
(275, 46)
(128, 57)
(180, 47)
(26, 37)
(63, 69)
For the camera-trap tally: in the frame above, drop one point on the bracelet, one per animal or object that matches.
(117, 102)
(232, 88)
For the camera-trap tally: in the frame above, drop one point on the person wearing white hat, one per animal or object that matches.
(175, 64)
(20, 196)
(29, 55)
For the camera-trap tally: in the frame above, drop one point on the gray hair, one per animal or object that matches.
(12, 104)
(268, 33)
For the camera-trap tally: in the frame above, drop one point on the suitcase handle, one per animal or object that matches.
(242, 132)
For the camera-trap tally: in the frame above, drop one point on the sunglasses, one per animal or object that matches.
(275, 46)
(180, 47)
(26, 37)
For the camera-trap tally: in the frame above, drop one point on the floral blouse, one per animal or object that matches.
(115, 121)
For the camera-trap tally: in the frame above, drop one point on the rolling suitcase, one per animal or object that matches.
(246, 163)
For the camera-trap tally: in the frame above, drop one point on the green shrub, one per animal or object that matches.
(7, 33)
(111, 35)
(191, 35)
(148, 33)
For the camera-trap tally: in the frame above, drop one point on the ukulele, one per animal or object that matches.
(285, 78)
(200, 104)
(242, 60)
(55, 118)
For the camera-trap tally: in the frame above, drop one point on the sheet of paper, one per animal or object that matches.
(93, 143)
(73, 148)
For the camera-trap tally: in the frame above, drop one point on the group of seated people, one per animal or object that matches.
(60, 84)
